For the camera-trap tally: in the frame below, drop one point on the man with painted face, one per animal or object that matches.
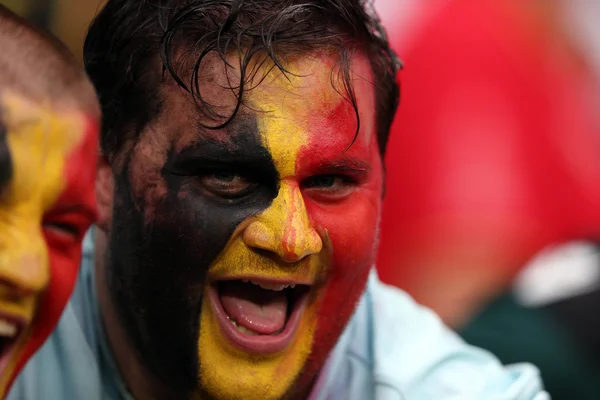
(239, 196)
(49, 119)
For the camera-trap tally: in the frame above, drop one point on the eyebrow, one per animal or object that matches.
(211, 150)
(241, 143)
(344, 165)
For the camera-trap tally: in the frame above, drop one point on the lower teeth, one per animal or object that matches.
(242, 329)
(247, 331)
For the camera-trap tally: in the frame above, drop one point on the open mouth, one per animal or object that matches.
(10, 331)
(256, 315)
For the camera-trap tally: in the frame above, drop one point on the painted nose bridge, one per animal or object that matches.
(285, 228)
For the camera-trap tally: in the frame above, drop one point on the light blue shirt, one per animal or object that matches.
(392, 349)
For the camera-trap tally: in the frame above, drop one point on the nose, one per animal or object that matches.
(285, 228)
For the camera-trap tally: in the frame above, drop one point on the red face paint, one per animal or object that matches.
(350, 222)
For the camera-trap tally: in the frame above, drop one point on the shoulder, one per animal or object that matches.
(413, 352)
(56, 372)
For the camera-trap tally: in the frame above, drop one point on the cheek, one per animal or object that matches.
(351, 227)
(352, 224)
(352, 230)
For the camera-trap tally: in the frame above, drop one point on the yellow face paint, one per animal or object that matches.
(39, 141)
(283, 229)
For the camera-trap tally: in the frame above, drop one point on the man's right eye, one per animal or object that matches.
(229, 185)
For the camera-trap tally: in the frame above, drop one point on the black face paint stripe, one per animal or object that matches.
(213, 152)
(6, 168)
(157, 267)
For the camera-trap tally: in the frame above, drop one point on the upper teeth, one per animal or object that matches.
(272, 286)
(7, 328)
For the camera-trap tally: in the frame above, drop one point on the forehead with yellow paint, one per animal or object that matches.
(303, 104)
(36, 143)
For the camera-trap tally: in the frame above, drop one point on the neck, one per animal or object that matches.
(140, 382)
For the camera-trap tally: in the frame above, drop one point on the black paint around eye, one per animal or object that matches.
(194, 173)
(6, 168)
(158, 262)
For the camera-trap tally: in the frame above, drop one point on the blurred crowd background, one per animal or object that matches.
(67, 19)
(492, 209)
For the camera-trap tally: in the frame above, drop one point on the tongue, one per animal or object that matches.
(260, 310)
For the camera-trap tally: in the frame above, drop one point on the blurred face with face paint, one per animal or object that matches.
(47, 140)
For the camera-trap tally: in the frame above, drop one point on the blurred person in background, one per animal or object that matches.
(38, 12)
(495, 157)
(49, 118)
(66, 19)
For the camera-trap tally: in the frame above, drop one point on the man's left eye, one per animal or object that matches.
(330, 183)
(324, 181)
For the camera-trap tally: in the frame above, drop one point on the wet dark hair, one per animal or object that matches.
(129, 39)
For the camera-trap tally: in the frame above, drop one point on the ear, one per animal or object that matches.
(104, 194)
